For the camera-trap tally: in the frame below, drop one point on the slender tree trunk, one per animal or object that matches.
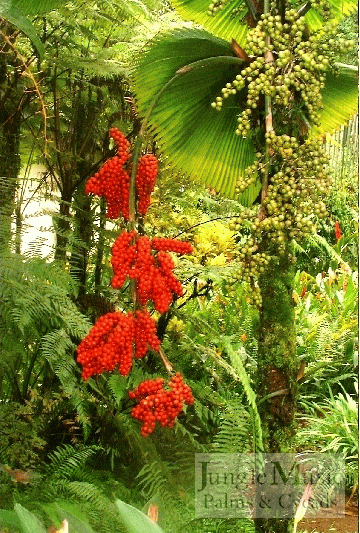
(83, 233)
(100, 247)
(277, 368)
(18, 229)
(62, 225)
(9, 171)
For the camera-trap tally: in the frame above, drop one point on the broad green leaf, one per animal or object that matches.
(63, 509)
(51, 513)
(76, 524)
(228, 23)
(36, 7)
(135, 521)
(29, 522)
(198, 139)
(10, 12)
(340, 100)
(9, 519)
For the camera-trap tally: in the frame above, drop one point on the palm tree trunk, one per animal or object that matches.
(277, 368)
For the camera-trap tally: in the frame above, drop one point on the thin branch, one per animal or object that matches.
(196, 293)
(165, 360)
(304, 9)
(200, 224)
(269, 58)
(253, 9)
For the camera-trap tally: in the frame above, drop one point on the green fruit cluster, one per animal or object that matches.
(215, 6)
(286, 68)
(286, 64)
(323, 7)
(298, 179)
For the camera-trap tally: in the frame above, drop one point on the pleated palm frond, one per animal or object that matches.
(199, 140)
(36, 7)
(229, 22)
(340, 100)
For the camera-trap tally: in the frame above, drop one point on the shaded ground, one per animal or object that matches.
(345, 523)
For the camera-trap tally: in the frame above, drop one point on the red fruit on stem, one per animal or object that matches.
(157, 404)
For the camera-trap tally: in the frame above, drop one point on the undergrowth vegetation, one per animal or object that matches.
(69, 448)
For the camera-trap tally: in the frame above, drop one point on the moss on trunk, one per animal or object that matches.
(277, 367)
(277, 361)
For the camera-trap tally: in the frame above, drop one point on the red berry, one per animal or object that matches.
(155, 403)
(112, 181)
(112, 340)
(145, 180)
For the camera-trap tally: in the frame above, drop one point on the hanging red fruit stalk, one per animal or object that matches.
(158, 404)
(117, 338)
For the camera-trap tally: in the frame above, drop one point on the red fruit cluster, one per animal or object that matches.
(122, 144)
(157, 404)
(153, 273)
(145, 180)
(112, 181)
(171, 245)
(123, 255)
(145, 334)
(114, 340)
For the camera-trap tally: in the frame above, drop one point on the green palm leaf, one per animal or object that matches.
(223, 24)
(340, 100)
(10, 12)
(229, 23)
(200, 140)
(134, 520)
(36, 7)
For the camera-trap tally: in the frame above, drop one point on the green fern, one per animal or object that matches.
(237, 370)
(40, 323)
(70, 479)
(235, 430)
(67, 459)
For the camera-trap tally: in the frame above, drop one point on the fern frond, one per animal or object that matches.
(68, 459)
(235, 429)
(237, 370)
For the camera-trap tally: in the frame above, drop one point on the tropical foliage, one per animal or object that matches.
(71, 456)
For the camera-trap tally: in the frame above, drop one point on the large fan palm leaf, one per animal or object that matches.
(198, 139)
(230, 21)
(190, 130)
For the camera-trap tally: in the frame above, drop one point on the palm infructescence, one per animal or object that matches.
(242, 106)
